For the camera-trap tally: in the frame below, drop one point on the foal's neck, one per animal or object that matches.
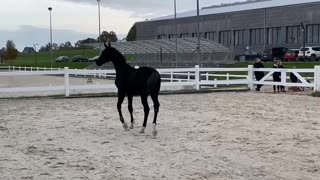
(119, 63)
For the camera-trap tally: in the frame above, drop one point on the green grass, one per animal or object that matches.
(44, 59)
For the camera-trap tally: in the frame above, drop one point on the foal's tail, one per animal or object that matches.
(154, 82)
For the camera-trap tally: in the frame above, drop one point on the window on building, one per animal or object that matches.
(293, 34)
(210, 35)
(313, 33)
(239, 37)
(256, 36)
(172, 36)
(273, 35)
(225, 37)
(185, 35)
(194, 35)
(162, 36)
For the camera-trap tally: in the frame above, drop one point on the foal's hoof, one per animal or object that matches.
(125, 126)
(132, 126)
(154, 133)
(142, 130)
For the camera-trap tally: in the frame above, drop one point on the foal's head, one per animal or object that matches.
(106, 55)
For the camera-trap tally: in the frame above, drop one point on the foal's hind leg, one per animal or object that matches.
(156, 105)
(130, 108)
(119, 104)
(144, 100)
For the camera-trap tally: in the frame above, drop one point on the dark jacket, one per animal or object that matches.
(277, 74)
(258, 73)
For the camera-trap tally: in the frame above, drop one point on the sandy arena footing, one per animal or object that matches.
(200, 136)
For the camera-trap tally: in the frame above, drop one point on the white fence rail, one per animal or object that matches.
(195, 77)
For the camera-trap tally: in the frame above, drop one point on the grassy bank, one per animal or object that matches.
(43, 59)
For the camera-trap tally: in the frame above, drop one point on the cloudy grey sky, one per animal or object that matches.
(26, 22)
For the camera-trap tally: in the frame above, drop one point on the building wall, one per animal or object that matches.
(246, 29)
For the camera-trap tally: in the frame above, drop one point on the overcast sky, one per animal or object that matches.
(26, 22)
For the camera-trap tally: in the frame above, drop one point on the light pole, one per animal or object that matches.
(198, 33)
(304, 38)
(50, 9)
(99, 39)
(176, 33)
(35, 54)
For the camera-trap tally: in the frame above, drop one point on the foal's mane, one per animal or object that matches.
(117, 55)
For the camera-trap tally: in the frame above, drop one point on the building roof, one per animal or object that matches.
(250, 5)
(185, 45)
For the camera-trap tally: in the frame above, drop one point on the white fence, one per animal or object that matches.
(195, 77)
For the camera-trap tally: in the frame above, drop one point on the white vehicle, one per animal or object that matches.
(310, 53)
(93, 59)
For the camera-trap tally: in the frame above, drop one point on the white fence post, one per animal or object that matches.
(283, 77)
(171, 76)
(215, 82)
(66, 82)
(197, 77)
(316, 79)
(228, 79)
(250, 77)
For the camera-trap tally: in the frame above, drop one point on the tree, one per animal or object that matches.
(54, 46)
(67, 44)
(45, 48)
(2, 53)
(11, 52)
(85, 41)
(108, 36)
(61, 46)
(132, 36)
(42, 49)
(10, 44)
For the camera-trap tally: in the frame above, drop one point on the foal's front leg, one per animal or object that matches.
(120, 101)
(130, 108)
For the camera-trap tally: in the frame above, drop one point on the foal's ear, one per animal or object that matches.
(109, 44)
(105, 45)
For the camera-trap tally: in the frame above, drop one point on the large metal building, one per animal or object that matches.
(248, 26)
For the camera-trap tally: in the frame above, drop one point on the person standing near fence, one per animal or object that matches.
(258, 74)
(276, 76)
(282, 88)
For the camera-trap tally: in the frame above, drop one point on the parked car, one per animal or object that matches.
(248, 56)
(273, 53)
(79, 59)
(62, 59)
(291, 55)
(309, 53)
(93, 59)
